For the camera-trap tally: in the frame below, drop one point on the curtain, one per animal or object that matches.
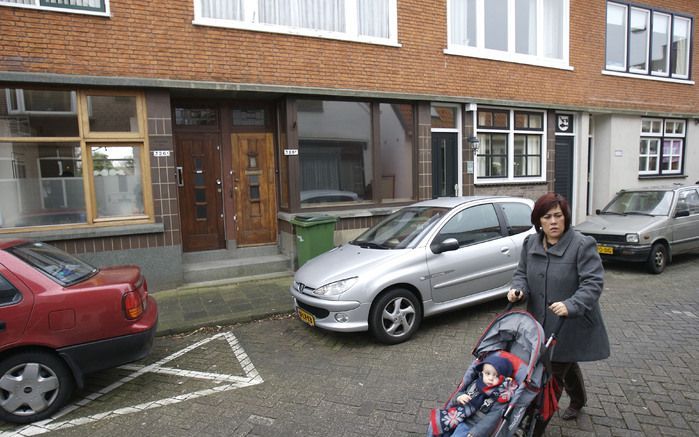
(222, 9)
(462, 18)
(680, 43)
(373, 18)
(307, 14)
(553, 29)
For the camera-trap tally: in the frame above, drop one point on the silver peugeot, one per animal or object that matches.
(424, 259)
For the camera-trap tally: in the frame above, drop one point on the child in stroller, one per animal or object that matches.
(516, 342)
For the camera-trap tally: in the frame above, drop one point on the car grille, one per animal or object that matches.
(302, 288)
(602, 238)
(320, 313)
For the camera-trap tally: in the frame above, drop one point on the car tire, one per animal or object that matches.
(657, 260)
(33, 386)
(395, 316)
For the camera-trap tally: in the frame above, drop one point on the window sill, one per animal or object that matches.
(91, 232)
(664, 176)
(68, 10)
(509, 57)
(646, 77)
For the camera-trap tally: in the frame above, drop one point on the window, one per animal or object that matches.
(95, 7)
(661, 147)
(647, 42)
(371, 21)
(50, 174)
(688, 200)
(472, 225)
(524, 31)
(518, 217)
(511, 145)
(9, 295)
(355, 152)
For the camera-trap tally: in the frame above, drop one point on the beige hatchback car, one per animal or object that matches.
(647, 225)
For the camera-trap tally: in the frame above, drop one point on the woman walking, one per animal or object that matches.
(560, 274)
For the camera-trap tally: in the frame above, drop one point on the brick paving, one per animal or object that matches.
(319, 383)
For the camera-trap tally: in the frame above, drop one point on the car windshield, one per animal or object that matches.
(401, 228)
(640, 202)
(55, 263)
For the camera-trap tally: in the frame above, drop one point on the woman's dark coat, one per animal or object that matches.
(570, 272)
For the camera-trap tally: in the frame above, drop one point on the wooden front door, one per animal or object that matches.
(199, 184)
(254, 185)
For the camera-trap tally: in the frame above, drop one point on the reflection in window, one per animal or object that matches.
(196, 117)
(396, 129)
(38, 113)
(117, 179)
(472, 225)
(335, 150)
(113, 113)
(41, 184)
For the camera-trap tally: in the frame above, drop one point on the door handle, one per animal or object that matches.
(2, 326)
(505, 250)
(179, 176)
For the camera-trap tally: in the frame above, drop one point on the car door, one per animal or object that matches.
(685, 230)
(484, 261)
(16, 303)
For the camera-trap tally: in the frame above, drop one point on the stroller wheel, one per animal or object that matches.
(395, 316)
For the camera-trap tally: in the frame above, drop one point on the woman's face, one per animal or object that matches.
(553, 224)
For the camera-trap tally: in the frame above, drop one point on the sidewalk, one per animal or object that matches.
(216, 303)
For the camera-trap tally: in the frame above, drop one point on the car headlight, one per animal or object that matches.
(335, 288)
(632, 238)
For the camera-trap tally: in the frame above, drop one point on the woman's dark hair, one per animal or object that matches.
(545, 203)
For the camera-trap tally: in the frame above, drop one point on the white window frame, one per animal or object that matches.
(511, 132)
(36, 4)
(251, 17)
(21, 105)
(661, 135)
(511, 55)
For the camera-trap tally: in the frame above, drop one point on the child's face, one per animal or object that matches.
(490, 375)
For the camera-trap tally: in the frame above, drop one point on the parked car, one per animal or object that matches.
(647, 225)
(60, 319)
(424, 259)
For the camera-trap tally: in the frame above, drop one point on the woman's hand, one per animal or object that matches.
(515, 295)
(559, 309)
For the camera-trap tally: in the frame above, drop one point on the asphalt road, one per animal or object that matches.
(281, 377)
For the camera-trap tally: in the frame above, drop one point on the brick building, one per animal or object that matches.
(160, 132)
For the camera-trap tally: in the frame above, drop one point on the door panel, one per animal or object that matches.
(199, 181)
(254, 185)
(563, 184)
(444, 164)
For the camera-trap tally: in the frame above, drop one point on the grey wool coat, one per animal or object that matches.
(570, 272)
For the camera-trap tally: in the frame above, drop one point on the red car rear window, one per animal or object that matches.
(55, 263)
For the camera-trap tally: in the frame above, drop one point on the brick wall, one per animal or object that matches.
(157, 39)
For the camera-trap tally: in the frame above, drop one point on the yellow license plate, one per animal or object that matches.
(605, 249)
(306, 316)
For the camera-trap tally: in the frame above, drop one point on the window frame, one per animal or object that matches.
(511, 132)
(103, 10)
(626, 69)
(660, 137)
(479, 50)
(251, 14)
(86, 140)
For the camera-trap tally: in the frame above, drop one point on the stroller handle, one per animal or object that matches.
(510, 305)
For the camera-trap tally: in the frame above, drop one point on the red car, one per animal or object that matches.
(60, 319)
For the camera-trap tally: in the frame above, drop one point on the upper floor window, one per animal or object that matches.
(372, 21)
(94, 7)
(662, 146)
(648, 42)
(524, 31)
(511, 145)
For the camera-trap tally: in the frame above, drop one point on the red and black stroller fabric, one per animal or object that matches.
(517, 336)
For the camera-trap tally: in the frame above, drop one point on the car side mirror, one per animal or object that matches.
(445, 246)
(598, 211)
(682, 213)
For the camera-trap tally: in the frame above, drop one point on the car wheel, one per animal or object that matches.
(33, 386)
(395, 316)
(657, 259)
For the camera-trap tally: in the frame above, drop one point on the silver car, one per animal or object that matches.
(647, 225)
(424, 259)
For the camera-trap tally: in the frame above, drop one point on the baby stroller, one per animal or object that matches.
(521, 339)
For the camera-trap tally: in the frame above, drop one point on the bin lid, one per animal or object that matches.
(311, 220)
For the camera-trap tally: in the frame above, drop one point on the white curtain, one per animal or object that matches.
(680, 43)
(307, 14)
(373, 18)
(222, 9)
(553, 29)
(462, 19)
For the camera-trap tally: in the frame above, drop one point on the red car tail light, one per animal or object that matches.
(133, 305)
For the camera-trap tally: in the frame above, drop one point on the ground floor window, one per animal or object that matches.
(54, 173)
(661, 149)
(355, 152)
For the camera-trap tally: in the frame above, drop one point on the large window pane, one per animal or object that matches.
(553, 29)
(660, 53)
(38, 113)
(117, 177)
(222, 9)
(463, 22)
(373, 18)
(496, 24)
(492, 159)
(525, 27)
(113, 113)
(680, 47)
(397, 137)
(335, 150)
(41, 184)
(308, 14)
(638, 42)
(616, 36)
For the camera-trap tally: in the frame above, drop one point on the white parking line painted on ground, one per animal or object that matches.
(234, 382)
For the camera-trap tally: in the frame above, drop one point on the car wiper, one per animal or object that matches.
(612, 213)
(639, 213)
(369, 245)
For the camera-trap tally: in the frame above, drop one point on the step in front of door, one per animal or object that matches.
(235, 268)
